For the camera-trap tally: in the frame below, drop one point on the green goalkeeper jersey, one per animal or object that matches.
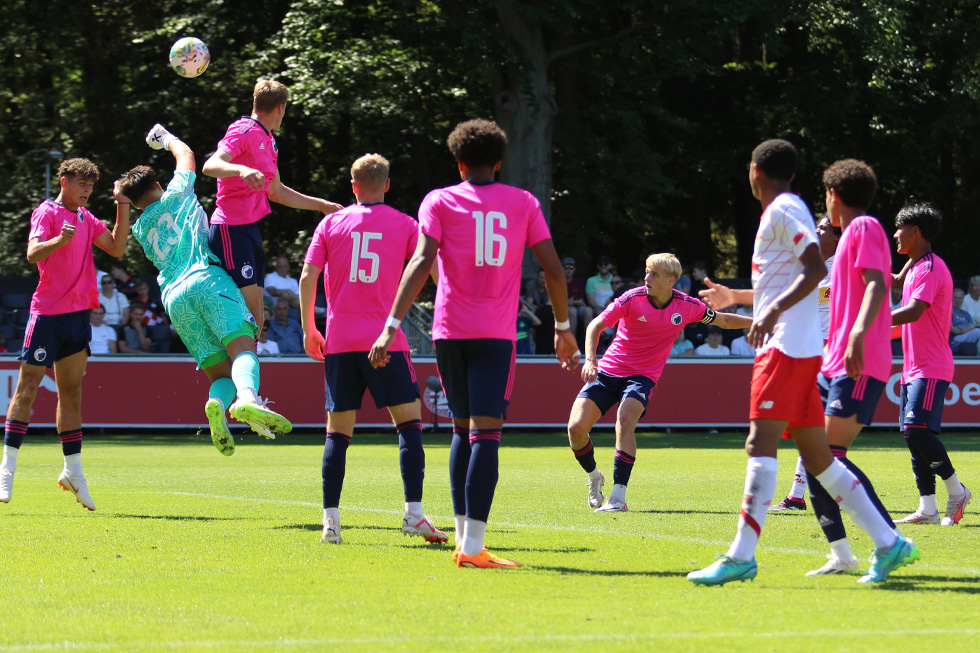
(174, 234)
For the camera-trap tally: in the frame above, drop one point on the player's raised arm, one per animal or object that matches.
(313, 340)
(413, 278)
(283, 194)
(719, 296)
(159, 138)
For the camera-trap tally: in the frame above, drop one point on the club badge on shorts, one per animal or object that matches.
(40, 354)
(247, 271)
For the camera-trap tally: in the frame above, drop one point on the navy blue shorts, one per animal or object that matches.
(843, 396)
(49, 338)
(608, 390)
(239, 247)
(477, 374)
(349, 373)
(921, 404)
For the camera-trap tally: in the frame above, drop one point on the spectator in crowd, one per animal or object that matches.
(698, 272)
(741, 347)
(125, 282)
(115, 303)
(285, 331)
(579, 313)
(712, 344)
(264, 346)
(527, 322)
(280, 285)
(683, 284)
(103, 339)
(3, 348)
(133, 337)
(619, 286)
(536, 294)
(895, 301)
(152, 306)
(682, 346)
(971, 302)
(598, 289)
(962, 330)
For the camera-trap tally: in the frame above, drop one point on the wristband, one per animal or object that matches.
(564, 325)
(393, 322)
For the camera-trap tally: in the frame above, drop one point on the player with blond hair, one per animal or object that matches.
(649, 318)
(363, 249)
(246, 165)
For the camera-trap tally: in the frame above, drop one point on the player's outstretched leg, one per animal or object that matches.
(13, 437)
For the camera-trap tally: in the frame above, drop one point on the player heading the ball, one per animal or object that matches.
(246, 166)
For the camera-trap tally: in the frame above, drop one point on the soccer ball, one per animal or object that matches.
(189, 57)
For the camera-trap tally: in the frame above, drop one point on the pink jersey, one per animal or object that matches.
(925, 342)
(249, 144)
(362, 250)
(482, 230)
(786, 229)
(863, 246)
(67, 281)
(646, 333)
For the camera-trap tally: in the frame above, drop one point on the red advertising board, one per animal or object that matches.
(167, 391)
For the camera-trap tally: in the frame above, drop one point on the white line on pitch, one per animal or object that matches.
(552, 527)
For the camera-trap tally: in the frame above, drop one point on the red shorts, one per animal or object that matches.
(785, 388)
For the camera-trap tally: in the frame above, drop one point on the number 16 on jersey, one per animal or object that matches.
(486, 237)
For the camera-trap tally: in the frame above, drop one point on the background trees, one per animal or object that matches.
(632, 122)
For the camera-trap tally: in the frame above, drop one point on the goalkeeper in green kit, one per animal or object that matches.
(203, 302)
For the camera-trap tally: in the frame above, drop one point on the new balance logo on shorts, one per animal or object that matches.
(765, 405)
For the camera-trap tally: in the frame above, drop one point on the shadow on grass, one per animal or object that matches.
(608, 572)
(931, 583)
(119, 515)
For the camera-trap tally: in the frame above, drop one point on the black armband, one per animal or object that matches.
(709, 316)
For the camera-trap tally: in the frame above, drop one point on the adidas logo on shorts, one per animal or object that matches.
(835, 404)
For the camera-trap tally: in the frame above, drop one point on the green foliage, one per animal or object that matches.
(644, 114)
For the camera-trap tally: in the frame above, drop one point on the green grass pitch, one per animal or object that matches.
(193, 551)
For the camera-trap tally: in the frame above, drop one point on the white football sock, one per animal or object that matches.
(927, 505)
(842, 550)
(618, 492)
(460, 529)
(840, 482)
(760, 487)
(595, 473)
(73, 463)
(953, 486)
(414, 508)
(799, 480)
(10, 457)
(473, 540)
(331, 515)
